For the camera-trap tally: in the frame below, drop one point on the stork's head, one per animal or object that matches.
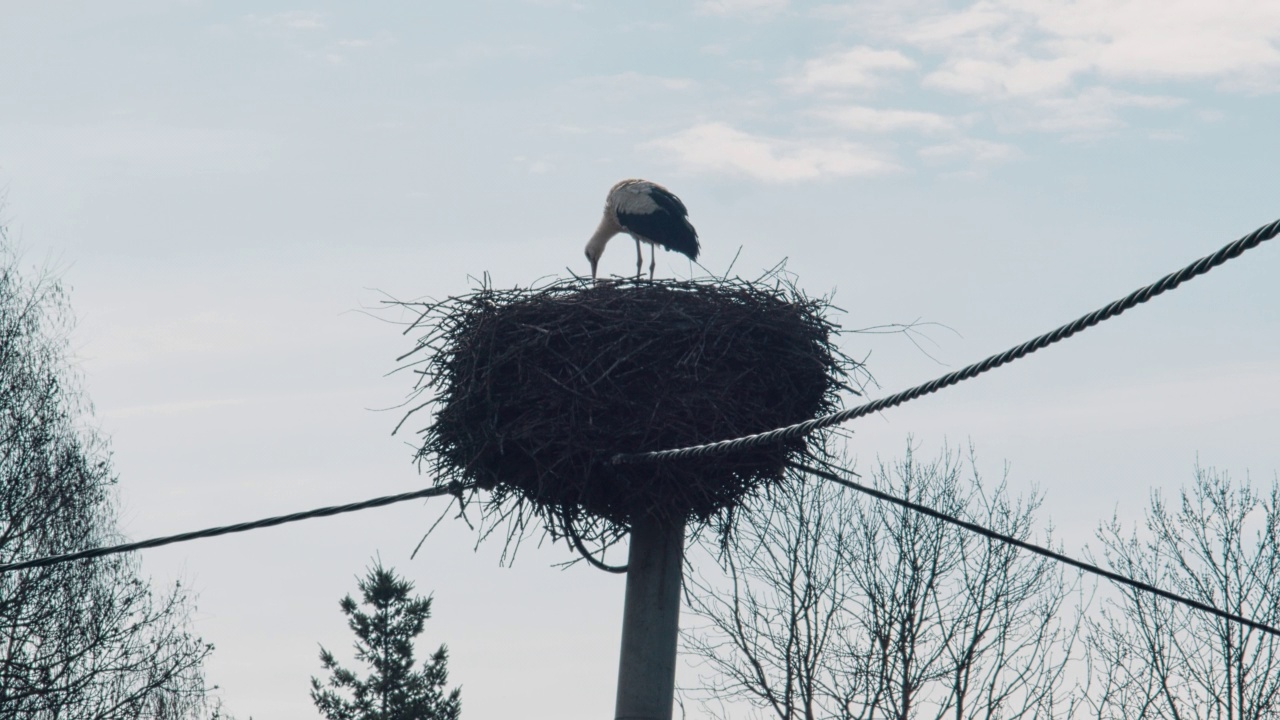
(595, 246)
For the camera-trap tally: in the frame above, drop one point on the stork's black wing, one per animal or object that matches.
(653, 213)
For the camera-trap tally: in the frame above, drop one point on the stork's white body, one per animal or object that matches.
(648, 213)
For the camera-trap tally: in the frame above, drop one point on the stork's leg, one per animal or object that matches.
(639, 259)
(653, 259)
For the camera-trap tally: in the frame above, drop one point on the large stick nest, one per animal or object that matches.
(535, 391)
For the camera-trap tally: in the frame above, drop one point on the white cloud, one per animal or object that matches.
(1076, 67)
(1091, 110)
(633, 81)
(860, 67)
(342, 48)
(979, 21)
(1171, 39)
(576, 6)
(970, 150)
(875, 120)
(379, 40)
(296, 20)
(741, 7)
(1035, 47)
(1018, 76)
(534, 166)
(720, 148)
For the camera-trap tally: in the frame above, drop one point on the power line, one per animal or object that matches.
(1045, 552)
(450, 489)
(1137, 297)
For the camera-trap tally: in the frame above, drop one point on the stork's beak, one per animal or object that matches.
(594, 262)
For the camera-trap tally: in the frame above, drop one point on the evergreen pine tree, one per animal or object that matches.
(394, 690)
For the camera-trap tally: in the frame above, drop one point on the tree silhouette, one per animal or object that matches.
(832, 605)
(394, 690)
(90, 639)
(1218, 542)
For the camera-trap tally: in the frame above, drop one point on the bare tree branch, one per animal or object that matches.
(82, 639)
(837, 606)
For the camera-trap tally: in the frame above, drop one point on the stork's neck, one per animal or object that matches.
(608, 228)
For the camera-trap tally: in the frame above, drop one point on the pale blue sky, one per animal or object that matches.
(225, 184)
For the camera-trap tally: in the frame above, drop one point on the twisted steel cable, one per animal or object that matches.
(1137, 297)
(1045, 552)
(450, 489)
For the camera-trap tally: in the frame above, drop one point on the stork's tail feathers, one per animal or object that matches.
(684, 240)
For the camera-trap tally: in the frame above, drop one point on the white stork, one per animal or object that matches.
(647, 212)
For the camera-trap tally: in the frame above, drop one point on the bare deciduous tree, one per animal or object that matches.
(774, 633)
(1219, 544)
(840, 606)
(86, 639)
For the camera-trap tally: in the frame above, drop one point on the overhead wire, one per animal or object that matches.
(1137, 297)
(449, 489)
(1038, 550)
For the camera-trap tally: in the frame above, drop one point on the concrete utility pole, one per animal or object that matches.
(650, 621)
